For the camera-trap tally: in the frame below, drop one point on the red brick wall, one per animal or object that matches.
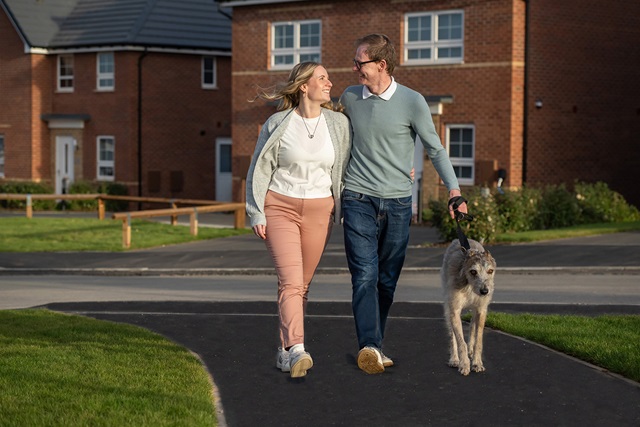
(487, 88)
(15, 102)
(180, 120)
(584, 68)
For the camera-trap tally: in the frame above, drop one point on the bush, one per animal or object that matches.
(26, 187)
(528, 208)
(483, 228)
(114, 189)
(80, 187)
(598, 203)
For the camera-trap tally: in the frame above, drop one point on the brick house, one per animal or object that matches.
(130, 91)
(545, 90)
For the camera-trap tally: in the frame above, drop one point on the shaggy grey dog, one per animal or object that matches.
(467, 281)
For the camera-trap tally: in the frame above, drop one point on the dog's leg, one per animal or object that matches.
(453, 347)
(463, 352)
(479, 318)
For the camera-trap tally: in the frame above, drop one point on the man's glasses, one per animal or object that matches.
(359, 64)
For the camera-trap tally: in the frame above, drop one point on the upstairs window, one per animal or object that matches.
(461, 143)
(65, 73)
(106, 149)
(106, 77)
(434, 38)
(209, 72)
(294, 42)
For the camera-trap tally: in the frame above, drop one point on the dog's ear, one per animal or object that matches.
(463, 250)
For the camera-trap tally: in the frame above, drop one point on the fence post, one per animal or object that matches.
(126, 232)
(239, 218)
(100, 208)
(29, 207)
(174, 218)
(193, 220)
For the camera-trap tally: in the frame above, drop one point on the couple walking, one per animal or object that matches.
(314, 165)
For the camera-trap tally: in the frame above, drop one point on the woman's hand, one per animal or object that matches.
(260, 230)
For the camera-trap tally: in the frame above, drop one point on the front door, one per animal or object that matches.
(224, 176)
(64, 163)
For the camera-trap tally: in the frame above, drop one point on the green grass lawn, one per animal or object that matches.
(562, 233)
(19, 234)
(62, 370)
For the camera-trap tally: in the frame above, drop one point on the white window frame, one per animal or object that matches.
(105, 163)
(458, 162)
(105, 80)
(63, 77)
(295, 51)
(213, 70)
(434, 43)
(2, 151)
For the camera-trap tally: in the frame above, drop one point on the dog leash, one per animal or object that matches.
(455, 203)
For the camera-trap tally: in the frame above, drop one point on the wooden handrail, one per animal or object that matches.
(127, 217)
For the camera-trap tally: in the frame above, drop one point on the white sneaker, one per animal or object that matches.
(370, 361)
(282, 360)
(386, 360)
(300, 361)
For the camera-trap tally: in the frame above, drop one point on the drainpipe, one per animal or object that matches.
(525, 123)
(140, 58)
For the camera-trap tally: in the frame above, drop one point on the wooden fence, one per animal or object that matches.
(202, 206)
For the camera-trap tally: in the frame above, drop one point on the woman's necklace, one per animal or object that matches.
(309, 134)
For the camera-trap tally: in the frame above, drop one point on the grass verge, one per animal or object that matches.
(562, 233)
(18, 234)
(611, 342)
(65, 370)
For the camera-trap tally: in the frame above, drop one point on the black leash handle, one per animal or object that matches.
(455, 203)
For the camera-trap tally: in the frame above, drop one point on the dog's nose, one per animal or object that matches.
(484, 291)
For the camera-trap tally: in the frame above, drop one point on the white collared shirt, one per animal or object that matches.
(386, 95)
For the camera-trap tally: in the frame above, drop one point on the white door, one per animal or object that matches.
(64, 163)
(224, 182)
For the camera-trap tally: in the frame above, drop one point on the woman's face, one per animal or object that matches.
(318, 87)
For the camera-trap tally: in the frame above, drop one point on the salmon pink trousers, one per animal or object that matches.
(297, 233)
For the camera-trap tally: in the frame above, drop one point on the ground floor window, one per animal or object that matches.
(461, 146)
(106, 158)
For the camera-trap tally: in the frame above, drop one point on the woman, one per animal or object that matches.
(293, 194)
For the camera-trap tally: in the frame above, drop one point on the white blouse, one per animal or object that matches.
(304, 164)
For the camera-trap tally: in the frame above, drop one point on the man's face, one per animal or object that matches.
(368, 74)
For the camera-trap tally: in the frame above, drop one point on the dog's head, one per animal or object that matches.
(479, 269)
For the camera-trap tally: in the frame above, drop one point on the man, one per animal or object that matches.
(385, 117)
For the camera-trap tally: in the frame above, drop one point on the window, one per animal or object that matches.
(209, 72)
(293, 42)
(461, 143)
(106, 158)
(1, 156)
(434, 38)
(65, 73)
(106, 77)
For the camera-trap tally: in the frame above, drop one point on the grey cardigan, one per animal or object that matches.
(265, 160)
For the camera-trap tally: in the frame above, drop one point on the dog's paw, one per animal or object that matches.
(477, 367)
(453, 363)
(464, 369)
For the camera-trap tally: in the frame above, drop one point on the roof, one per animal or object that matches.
(63, 24)
(233, 3)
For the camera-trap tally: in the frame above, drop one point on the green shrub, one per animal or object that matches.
(114, 189)
(81, 187)
(26, 187)
(518, 210)
(558, 208)
(552, 206)
(598, 203)
(483, 228)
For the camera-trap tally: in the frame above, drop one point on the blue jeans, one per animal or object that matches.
(376, 234)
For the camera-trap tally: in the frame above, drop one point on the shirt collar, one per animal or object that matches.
(386, 95)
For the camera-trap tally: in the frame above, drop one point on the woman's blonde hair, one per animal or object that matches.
(288, 93)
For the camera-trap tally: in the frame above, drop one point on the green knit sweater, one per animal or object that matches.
(384, 135)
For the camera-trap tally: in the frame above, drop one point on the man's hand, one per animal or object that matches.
(462, 208)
